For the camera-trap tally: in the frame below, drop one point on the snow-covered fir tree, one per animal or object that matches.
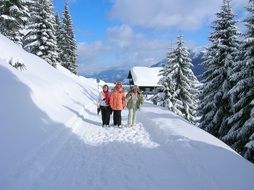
(215, 108)
(41, 39)
(68, 45)
(241, 135)
(59, 36)
(179, 82)
(30, 4)
(13, 17)
(167, 83)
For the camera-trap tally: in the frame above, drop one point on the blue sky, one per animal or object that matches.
(124, 33)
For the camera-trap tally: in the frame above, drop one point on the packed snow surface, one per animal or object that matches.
(51, 138)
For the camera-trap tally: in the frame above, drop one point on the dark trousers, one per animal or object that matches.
(117, 117)
(105, 114)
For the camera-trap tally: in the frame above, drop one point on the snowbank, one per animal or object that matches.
(35, 102)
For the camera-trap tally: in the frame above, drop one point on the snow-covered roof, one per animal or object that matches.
(146, 76)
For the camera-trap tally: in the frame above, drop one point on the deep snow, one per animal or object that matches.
(50, 138)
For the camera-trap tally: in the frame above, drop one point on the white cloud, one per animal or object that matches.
(90, 56)
(182, 14)
(123, 35)
(127, 45)
(71, 1)
(135, 48)
(122, 48)
(91, 49)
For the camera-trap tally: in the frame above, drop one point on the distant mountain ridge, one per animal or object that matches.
(197, 59)
(110, 75)
(114, 74)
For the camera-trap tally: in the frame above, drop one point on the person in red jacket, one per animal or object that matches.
(103, 105)
(117, 103)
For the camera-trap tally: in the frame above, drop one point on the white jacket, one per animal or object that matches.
(101, 99)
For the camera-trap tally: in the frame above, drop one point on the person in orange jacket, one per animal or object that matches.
(117, 103)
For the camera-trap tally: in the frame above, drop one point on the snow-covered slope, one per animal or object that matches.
(50, 138)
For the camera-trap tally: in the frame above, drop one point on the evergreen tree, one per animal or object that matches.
(216, 108)
(241, 135)
(59, 36)
(41, 39)
(68, 45)
(167, 82)
(13, 16)
(180, 84)
(30, 4)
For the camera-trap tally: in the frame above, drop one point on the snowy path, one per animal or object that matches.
(91, 157)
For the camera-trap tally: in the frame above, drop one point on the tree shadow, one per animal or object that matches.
(82, 116)
(25, 129)
(84, 107)
(88, 93)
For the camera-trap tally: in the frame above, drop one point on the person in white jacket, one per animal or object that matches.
(104, 106)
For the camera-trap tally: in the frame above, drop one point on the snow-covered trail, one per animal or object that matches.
(87, 156)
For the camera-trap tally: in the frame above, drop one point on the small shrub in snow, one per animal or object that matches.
(17, 64)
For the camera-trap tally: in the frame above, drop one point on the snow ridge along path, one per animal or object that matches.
(51, 138)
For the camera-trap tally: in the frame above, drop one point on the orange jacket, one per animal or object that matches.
(117, 99)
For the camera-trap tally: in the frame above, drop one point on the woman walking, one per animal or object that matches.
(117, 103)
(134, 100)
(103, 105)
